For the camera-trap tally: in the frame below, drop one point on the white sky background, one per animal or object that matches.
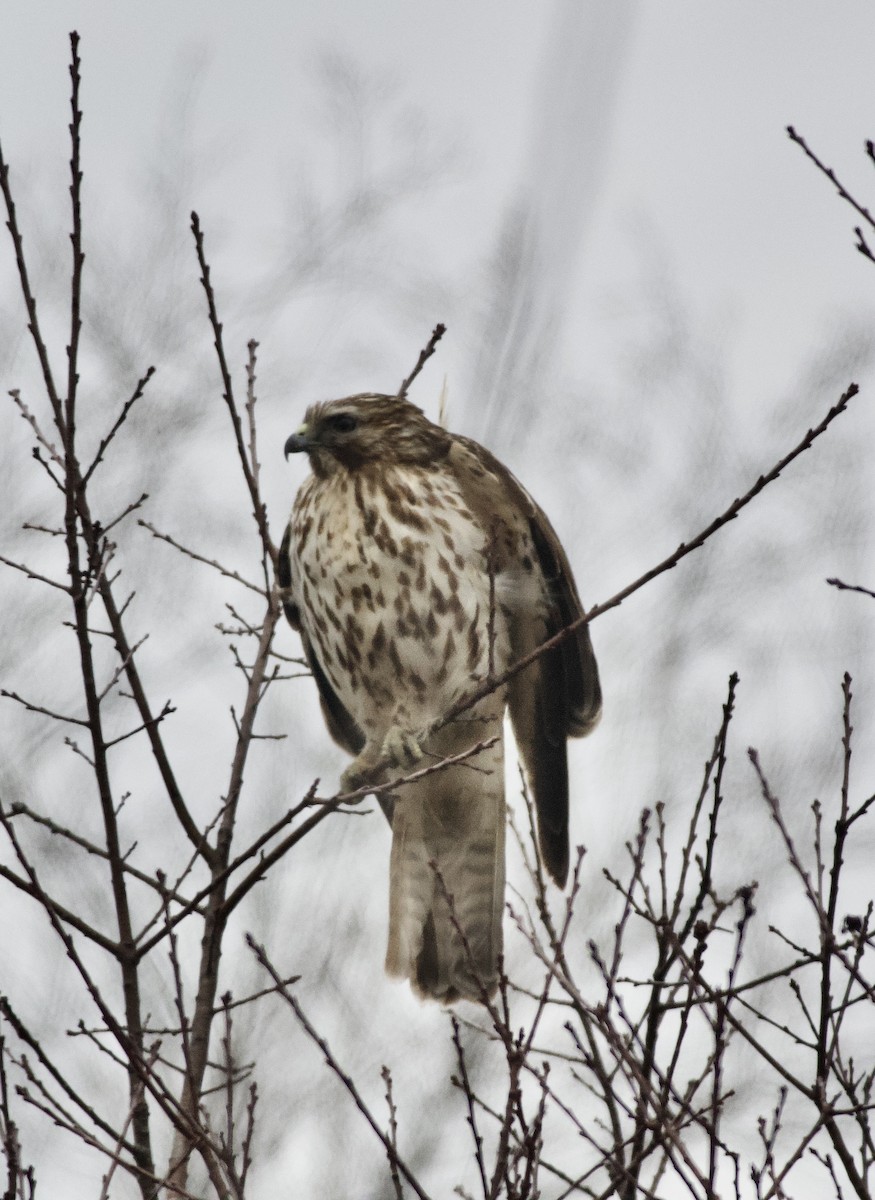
(644, 145)
(695, 144)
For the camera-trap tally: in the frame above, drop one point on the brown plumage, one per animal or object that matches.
(415, 564)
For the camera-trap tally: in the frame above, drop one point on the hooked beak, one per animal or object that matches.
(297, 443)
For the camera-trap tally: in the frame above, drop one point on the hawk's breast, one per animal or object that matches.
(391, 576)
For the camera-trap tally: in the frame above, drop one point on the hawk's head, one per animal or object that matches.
(352, 433)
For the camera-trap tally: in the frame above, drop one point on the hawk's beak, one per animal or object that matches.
(297, 443)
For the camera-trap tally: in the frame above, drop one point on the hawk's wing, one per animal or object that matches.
(340, 724)
(573, 666)
(559, 695)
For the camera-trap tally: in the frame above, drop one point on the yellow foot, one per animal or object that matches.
(358, 773)
(401, 747)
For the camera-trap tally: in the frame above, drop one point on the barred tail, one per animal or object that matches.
(446, 893)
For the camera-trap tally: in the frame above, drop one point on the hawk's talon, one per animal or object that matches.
(402, 747)
(356, 774)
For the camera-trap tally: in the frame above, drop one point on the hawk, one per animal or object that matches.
(415, 568)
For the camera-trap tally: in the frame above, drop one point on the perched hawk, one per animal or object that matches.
(414, 567)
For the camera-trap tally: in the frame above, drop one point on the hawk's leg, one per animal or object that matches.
(400, 747)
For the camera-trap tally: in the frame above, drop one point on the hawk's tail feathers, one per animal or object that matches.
(447, 881)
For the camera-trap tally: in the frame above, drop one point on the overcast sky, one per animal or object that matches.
(644, 145)
(681, 107)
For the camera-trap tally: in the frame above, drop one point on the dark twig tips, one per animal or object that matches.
(436, 334)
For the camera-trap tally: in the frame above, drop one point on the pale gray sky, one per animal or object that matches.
(642, 148)
(695, 148)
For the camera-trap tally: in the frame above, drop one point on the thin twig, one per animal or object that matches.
(393, 1135)
(831, 176)
(121, 1143)
(666, 564)
(43, 440)
(210, 562)
(464, 1085)
(850, 587)
(39, 708)
(424, 355)
(35, 575)
(29, 300)
(249, 472)
(117, 424)
(305, 1023)
(20, 809)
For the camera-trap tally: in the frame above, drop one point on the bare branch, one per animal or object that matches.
(424, 355)
(464, 1085)
(27, 294)
(19, 809)
(850, 587)
(164, 537)
(831, 176)
(78, 254)
(43, 440)
(63, 914)
(117, 424)
(666, 564)
(249, 469)
(62, 587)
(39, 708)
(292, 1001)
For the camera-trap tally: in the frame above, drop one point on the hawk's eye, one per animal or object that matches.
(343, 423)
